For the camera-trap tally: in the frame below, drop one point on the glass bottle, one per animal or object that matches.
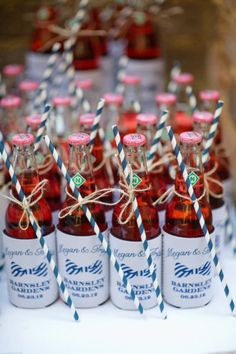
(202, 122)
(125, 238)
(131, 97)
(28, 89)
(183, 119)
(187, 265)
(47, 169)
(85, 269)
(146, 125)
(12, 75)
(11, 114)
(113, 113)
(31, 284)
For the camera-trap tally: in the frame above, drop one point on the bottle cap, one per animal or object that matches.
(183, 78)
(28, 85)
(165, 98)
(114, 98)
(13, 69)
(146, 118)
(134, 140)
(209, 95)
(34, 120)
(61, 101)
(10, 101)
(78, 139)
(84, 84)
(203, 117)
(190, 138)
(131, 80)
(23, 139)
(87, 119)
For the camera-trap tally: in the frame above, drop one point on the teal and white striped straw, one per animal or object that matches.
(38, 233)
(201, 220)
(192, 99)
(94, 225)
(176, 69)
(122, 68)
(96, 122)
(141, 228)
(42, 127)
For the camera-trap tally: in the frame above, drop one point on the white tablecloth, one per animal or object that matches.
(107, 329)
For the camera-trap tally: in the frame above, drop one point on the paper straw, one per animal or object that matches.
(176, 69)
(38, 233)
(140, 223)
(82, 100)
(229, 228)
(6, 145)
(41, 94)
(192, 99)
(96, 122)
(41, 128)
(156, 139)
(122, 68)
(201, 220)
(212, 131)
(93, 223)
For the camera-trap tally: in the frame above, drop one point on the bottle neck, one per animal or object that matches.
(63, 121)
(148, 131)
(193, 161)
(208, 105)
(182, 99)
(131, 95)
(171, 108)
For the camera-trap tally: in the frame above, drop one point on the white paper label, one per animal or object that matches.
(4, 204)
(108, 216)
(151, 73)
(55, 218)
(228, 191)
(131, 257)
(218, 221)
(187, 271)
(162, 217)
(31, 283)
(83, 264)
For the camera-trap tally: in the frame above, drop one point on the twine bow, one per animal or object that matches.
(46, 165)
(27, 203)
(208, 179)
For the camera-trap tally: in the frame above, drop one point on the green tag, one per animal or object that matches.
(139, 17)
(136, 180)
(78, 180)
(193, 178)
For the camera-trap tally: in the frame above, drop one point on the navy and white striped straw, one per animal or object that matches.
(38, 233)
(212, 131)
(201, 220)
(42, 126)
(122, 68)
(96, 122)
(94, 225)
(156, 140)
(140, 223)
(192, 99)
(172, 86)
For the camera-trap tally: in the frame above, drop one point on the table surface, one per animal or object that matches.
(106, 329)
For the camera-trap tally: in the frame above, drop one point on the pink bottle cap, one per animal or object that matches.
(23, 139)
(184, 78)
(87, 119)
(203, 117)
(131, 80)
(28, 85)
(61, 101)
(79, 139)
(10, 101)
(13, 69)
(134, 140)
(33, 120)
(209, 95)
(114, 98)
(165, 98)
(146, 118)
(190, 137)
(85, 84)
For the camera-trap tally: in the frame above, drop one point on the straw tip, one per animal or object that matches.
(76, 316)
(221, 103)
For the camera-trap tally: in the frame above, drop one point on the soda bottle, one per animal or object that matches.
(99, 166)
(113, 113)
(82, 261)
(187, 265)
(11, 114)
(144, 52)
(125, 238)
(12, 75)
(131, 98)
(47, 169)
(28, 90)
(202, 122)
(146, 125)
(209, 99)
(183, 120)
(2, 211)
(87, 85)
(31, 283)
